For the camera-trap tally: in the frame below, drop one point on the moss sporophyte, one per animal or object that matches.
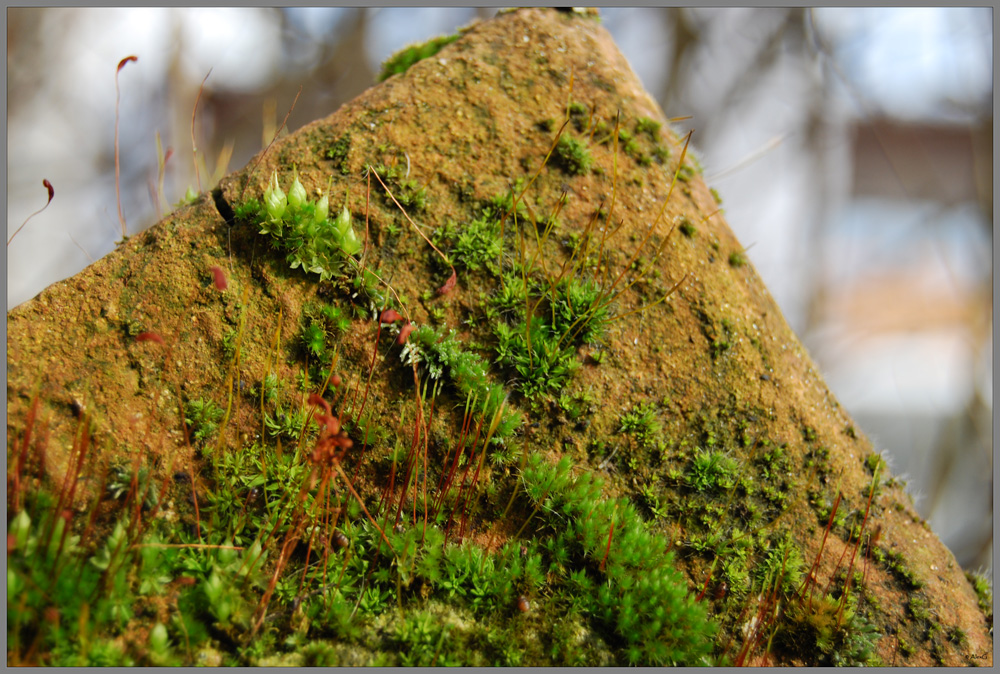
(370, 423)
(303, 228)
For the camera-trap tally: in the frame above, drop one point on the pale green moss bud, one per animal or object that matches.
(274, 199)
(322, 207)
(346, 238)
(297, 193)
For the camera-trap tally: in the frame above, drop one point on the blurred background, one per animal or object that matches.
(853, 149)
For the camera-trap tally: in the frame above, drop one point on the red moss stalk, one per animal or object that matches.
(810, 581)
(48, 186)
(118, 192)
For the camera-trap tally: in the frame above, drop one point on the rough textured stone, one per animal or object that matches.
(715, 360)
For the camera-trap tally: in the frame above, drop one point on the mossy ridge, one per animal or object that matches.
(403, 59)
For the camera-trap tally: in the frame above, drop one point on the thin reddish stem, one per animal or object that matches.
(449, 284)
(810, 581)
(118, 193)
(48, 186)
(854, 554)
(194, 144)
(22, 455)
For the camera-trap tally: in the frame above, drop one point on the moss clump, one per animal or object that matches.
(533, 352)
(303, 228)
(406, 191)
(338, 153)
(710, 471)
(403, 59)
(540, 350)
(629, 581)
(578, 113)
(202, 418)
(782, 566)
(572, 155)
(320, 324)
(685, 173)
(647, 126)
(579, 310)
(918, 607)
(830, 629)
(440, 353)
(641, 423)
(876, 464)
(984, 593)
(473, 245)
(537, 322)
(627, 142)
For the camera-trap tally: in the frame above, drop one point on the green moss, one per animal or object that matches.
(957, 636)
(711, 470)
(403, 59)
(538, 351)
(579, 311)
(442, 353)
(250, 210)
(918, 608)
(572, 155)
(202, 418)
(406, 191)
(823, 627)
(876, 464)
(339, 152)
(641, 423)
(302, 228)
(984, 592)
(647, 126)
(686, 227)
(736, 259)
(782, 566)
(535, 354)
(578, 113)
(641, 597)
(600, 584)
(473, 245)
(627, 143)
(314, 339)
(899, 567)
(718, 347)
